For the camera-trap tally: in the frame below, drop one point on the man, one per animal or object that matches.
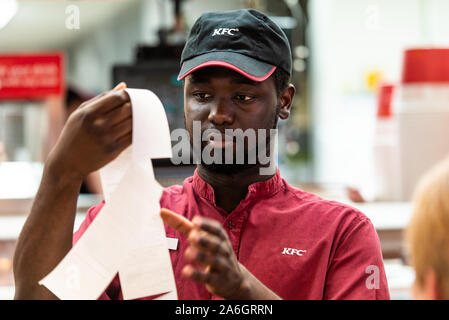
(253, 236)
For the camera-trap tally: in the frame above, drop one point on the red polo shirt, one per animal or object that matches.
(297, 244)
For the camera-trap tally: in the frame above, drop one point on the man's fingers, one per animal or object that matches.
(118, 115)
(211, 226)
(176, 221)
(206, 259)
(207, 276)
(120, 86)
(124, 142)
(108, 102)
(205, 241)
(123, 128)
(202, 276)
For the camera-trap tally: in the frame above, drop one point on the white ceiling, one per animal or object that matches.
(40, 24)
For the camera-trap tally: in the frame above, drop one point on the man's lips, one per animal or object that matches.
(219, 141)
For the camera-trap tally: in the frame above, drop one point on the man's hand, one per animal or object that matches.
(210, 248)
(94, 135)
(218, 268)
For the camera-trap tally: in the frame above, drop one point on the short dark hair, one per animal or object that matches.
(281, 80)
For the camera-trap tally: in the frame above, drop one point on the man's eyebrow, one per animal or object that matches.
(244, 80)
(196, 79)
(199, 79)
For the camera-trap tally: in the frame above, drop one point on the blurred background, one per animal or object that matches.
(371, 112)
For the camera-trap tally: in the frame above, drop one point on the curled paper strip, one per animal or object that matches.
(128, 235)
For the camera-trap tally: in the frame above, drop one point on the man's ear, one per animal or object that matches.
(286, 100)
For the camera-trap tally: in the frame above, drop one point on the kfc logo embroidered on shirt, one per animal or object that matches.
(291, 251)
(223, 31)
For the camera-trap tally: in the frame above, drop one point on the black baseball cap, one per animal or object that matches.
(246, 41)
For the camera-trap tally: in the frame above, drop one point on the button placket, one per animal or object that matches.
(234, 229)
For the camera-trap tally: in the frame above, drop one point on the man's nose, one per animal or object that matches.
(221, 113)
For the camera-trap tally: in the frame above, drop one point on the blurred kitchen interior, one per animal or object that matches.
(371, 78)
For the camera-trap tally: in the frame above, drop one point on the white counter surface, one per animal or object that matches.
(12, 221)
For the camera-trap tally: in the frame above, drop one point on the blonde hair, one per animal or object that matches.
(428, 231)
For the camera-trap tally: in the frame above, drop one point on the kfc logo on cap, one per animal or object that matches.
(223, 31)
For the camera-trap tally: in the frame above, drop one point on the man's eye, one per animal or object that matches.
(243, 98)
(202, 95)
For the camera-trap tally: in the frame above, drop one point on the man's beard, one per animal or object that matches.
(235, 168)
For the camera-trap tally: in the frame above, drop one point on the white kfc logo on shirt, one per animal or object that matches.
(224, 31)
(292, 251)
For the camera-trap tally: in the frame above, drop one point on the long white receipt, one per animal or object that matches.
(128, 235)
